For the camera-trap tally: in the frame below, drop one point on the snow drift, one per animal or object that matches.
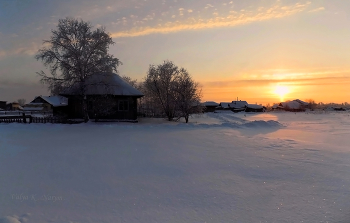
(156, 171)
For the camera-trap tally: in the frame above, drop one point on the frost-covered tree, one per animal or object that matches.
(129, 80)
(21, 101)
(160, 84)
(173, 89)
(187, 95)
(73, 53)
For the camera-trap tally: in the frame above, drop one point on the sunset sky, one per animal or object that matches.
(256, 50)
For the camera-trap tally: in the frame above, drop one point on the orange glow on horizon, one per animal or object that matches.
(270, 91)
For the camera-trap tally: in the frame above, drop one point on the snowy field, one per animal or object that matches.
(221, 167)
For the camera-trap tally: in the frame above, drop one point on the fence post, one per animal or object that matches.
(24, 118)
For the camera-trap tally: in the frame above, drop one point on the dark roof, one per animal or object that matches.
(210, 104)
(105, 84)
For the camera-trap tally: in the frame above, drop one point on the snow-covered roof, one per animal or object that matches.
(55, 101)
(291, 105)
(105, 83)
(301, 102)
(224, 104)
(33, 103)
(275, 106)
(254, 106)
(238, 104)
(33, 108)
(210, 103)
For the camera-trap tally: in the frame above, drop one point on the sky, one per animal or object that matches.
(261, 51)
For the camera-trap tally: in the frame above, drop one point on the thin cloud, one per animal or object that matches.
(317, 10)
(31, 49)
(244, 17)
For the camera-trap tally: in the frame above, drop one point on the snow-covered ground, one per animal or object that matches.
(221, 167)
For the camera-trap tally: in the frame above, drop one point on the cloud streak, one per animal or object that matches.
(30, 50)
(231, 20)
(317, 10)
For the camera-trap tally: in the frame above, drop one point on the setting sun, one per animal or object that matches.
(281, 91)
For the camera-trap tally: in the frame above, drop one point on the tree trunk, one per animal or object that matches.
(186, 118)
(85, 111)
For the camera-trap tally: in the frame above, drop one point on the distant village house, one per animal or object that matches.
(54, 104)
(210, 106)
(293, 106)
(13, 106)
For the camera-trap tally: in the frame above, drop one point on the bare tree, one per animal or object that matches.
(74, 53)
(173, 90)
(21, 101)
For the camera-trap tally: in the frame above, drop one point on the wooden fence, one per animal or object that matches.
(30, 119)
(25, 112)
(13, 118)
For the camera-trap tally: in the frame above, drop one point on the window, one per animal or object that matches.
(123, 106)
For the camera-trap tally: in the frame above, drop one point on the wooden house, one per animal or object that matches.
(238, 106)
(13, 106)
(235, 106)
(209, 106)
(108, 97)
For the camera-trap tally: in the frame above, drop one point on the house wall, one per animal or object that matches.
(210, 108)
(3, 105)
(12, 107)
(46, 106)
(254, 109)
(103, 107)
